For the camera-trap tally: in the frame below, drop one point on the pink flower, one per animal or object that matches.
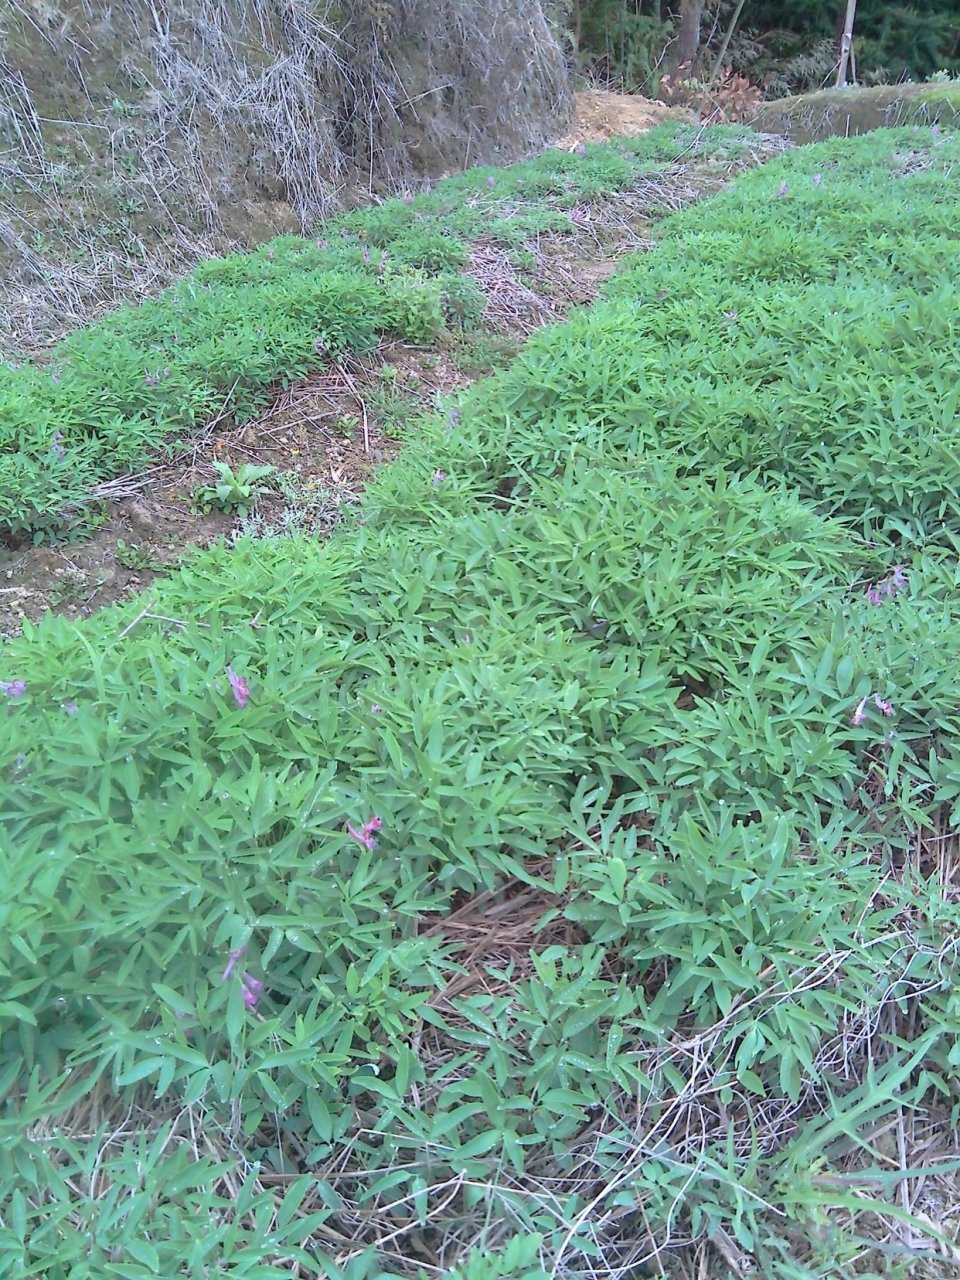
(817, 179)
(252, 989)
(241, 692)
(438, 477)
(13, 688)
(365, 835)
(860, 715)
(887, 587)
(232, 963)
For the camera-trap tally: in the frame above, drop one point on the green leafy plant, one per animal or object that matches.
(70, 588)
(554, 867)
(235, 491)
(137, 556)
(463, 303)
(481, 353)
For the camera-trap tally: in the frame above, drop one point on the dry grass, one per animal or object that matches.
(137, 140)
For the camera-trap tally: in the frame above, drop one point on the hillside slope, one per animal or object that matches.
(136, 139)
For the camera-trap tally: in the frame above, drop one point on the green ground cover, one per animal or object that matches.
(223, 340)
(551, 873)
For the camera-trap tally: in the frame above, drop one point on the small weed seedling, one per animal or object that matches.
(69, 589)
(136, 556)
(235, 491)
(308, 508)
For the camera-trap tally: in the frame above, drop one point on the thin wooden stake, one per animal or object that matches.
(846, 43)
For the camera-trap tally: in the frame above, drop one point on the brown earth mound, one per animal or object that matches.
(854, 110)
(598, 115)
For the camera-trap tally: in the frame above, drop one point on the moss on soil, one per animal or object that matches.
(854, 110)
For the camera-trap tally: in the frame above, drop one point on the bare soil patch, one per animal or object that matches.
(599, 115)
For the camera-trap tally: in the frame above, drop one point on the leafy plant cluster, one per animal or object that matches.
(622, 43)
(552, 869)
(234, 491)
(223, 339)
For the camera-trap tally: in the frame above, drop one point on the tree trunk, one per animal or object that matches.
(846, 41)
(725, 43)
(688, 37)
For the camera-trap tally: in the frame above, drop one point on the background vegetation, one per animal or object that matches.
(138, 140)
(785, 49)
(221, 341)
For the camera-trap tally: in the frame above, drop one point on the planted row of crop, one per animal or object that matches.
(656, 628)
(221, 341)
